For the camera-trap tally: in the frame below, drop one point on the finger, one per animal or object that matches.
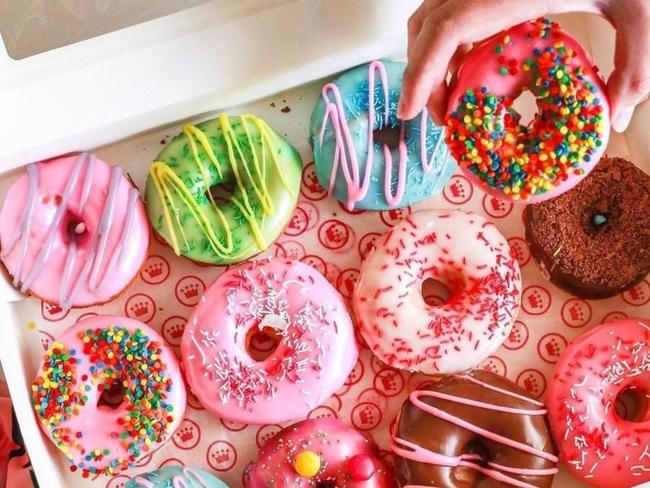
(629, 83)
(437, 103)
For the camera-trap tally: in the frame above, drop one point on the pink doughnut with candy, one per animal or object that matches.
(599, 407)
(308, 342)
(319, 453)
(471, 259)
(73, 231)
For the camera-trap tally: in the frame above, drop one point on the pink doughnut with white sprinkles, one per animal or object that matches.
(598, 404)
(269, 341)
(463, 252)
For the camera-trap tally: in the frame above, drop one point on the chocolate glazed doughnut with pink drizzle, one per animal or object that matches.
(477, 429)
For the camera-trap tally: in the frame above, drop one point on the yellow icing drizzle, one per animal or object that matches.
(168, 184)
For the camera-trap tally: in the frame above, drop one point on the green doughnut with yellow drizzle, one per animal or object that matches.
(187, 189)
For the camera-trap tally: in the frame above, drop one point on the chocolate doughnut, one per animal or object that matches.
(477, 429)
(594, 240)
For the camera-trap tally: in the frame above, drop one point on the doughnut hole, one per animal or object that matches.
(441, 289)
(222, 192)
(262, 343)
(633, 404)
(387, 135)
(111, 396)
(526, 106)
(75, 229)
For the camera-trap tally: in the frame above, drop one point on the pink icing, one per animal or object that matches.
(333, 441)
(413, 452)
(345, 155)
(73, 231)
(596, 444)
(315, 354)
(468, 255)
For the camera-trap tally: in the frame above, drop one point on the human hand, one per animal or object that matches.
(442, 31)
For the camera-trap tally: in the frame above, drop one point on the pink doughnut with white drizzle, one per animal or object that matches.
(598, 403)
(319, 453)
(472, 259)
(290, 303)
(73, 231)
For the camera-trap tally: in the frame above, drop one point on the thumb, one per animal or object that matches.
(629, 83)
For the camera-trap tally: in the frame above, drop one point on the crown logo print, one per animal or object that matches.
(395, 214)
(553, 347)
(515, 335)
(576, 313)
(366, 416)
(334, 234)
(53, 309)
(190, 291)
(637, 293)
(530, 383)
(154, 270)
(535, 300)
(388, 382)
(457, 190)
(221, 456)
(139, 309)
(312, 183)
(497, 205)
(186, 434)
(176, 331)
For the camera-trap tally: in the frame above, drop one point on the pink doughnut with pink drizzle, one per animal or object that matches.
(73, 231)
(599, 407)
(463, 252)
(319, 453)
(296, 314)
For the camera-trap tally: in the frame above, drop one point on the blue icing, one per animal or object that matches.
(419, 185)
(163, 478)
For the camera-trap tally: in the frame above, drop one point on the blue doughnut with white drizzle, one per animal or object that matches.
(176, 477)
(380, 166)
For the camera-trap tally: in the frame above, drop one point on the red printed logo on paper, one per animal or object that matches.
(365, 416)
(140, 307)
(494, 364)
(370, 395)
(188, 435)
(638, 295)
(367, 244)
(53, 312)
(221, 455)
(46, 339)
(393, 216)
(612, 316)
(535, 300)
(496, 208)
(299, 223)
(532, 381)
(155, 270)
(293, 250)
(189, 290)
(334, 235)
(520, 248)
(311, 188)
(172, 330)
(551, 346)
(576, 312)
(316, 262)
(266, 433)
(323, 412)
(347, 281)
(518, 336)
(172, 461)
(389, 382)
(458, 191)
(118, 481)
(356, 374)
(232, 426)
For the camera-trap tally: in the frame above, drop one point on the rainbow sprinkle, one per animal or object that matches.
(117, 357)
(485, 135)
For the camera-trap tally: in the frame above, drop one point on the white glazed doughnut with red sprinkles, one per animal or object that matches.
(598, 404)
(472, 259)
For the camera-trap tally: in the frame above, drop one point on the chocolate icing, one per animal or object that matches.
(594, 240)
(476, 400)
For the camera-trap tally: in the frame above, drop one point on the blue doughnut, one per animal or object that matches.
(173, 476)
(392, 182)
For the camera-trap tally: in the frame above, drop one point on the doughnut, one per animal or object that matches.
(222, 191)
(463, 252)
(565, 139)
(594, 240)
(108, 392)
(598, 404)
(471, 430)
(389, 164)
(73, 231)
(176, 477)
(292, 307)
(319, 453)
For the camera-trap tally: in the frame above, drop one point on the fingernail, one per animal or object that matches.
(400, 108)
(622, 119)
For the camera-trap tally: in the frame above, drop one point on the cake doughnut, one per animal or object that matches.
(290, 305)
(477, 429)
(381, 165)
(222, 191)
(319, 453)
(176, 477)
(471, 258)
(567, 136)
(73, 231)
(594, 240)
(108, 392)
(598, 404)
